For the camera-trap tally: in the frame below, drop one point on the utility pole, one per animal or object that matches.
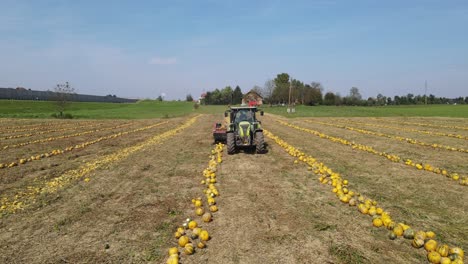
(289, 101)
(425, 92)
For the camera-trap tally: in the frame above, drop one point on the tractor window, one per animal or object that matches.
(244, 115)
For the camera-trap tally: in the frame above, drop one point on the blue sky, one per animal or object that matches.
(142, 49)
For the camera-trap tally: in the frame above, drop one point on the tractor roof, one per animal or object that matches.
(244, 107)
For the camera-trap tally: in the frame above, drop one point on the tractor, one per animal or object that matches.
(244, 130)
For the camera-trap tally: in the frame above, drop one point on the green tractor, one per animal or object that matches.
(244, 130)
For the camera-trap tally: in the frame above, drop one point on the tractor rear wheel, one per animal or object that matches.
(231, 146)
(259, 142)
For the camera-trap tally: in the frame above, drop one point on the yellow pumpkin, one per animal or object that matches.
(204, 236)
(430, 245)
(420, 235)
(196, 231)
(418, 243)
(200, 211)
(181, 230)
(206, 217)
(391, 225)
(198, 203)
(177, 234)
(211, 201)
(398, 230)
(445, 260)
(458, 251)
(430, 234)
(192, 224)
(213, 208)
(443, 250)
(433, 257)
(173, 250)
(173, 259)
(188, 249)
(201, 244)
(183, 240)
(377, 222)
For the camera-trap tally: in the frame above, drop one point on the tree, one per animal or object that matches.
(355, 96)
(159, 98)
(189, 98)
(258, 90)
(268, 89)
(63, 94)
(313, 94)
(281, 91)
(237, 95)
(329, 98)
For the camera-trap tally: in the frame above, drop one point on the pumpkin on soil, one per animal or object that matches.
(408, 233)
(199, 211)
(206, 217)
(377, 222)
(213, 208)
(183, 240)
(201, 244)
(458, 251)
(188, 249)
(445, 260)
(398, 230)
(204, 236)
(418, 243)
(443, 250)
(430, 234)
(173, 250)
(433, 257)
(192, 224)
(431, 245)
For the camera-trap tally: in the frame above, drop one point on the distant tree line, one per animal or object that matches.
(224, 96)
(284, 89)
(21, 93)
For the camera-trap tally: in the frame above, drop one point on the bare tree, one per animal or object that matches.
(63, 94)
(268, 89)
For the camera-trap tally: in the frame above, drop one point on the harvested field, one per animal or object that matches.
(122, 198)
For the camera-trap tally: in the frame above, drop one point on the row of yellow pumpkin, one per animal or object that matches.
(78, 146)
(190, 231)
(55, 129)
(21, 199)
(407, 129)
(380, 217)
(461, 179)
(35, 127)
(49, 139)
(399, 138)
(421, 124)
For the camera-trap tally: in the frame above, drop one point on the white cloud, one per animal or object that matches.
(163, 61)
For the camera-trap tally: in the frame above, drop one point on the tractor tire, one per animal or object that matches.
(259, 142)
(231, 146)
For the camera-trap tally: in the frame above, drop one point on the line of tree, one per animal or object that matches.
(284, 89)
(224, 96)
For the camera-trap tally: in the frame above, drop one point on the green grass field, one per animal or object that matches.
(140, 110)
(360, 111)
(155, 109)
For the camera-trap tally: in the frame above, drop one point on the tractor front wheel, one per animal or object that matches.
(231, 146)
(259, 142)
